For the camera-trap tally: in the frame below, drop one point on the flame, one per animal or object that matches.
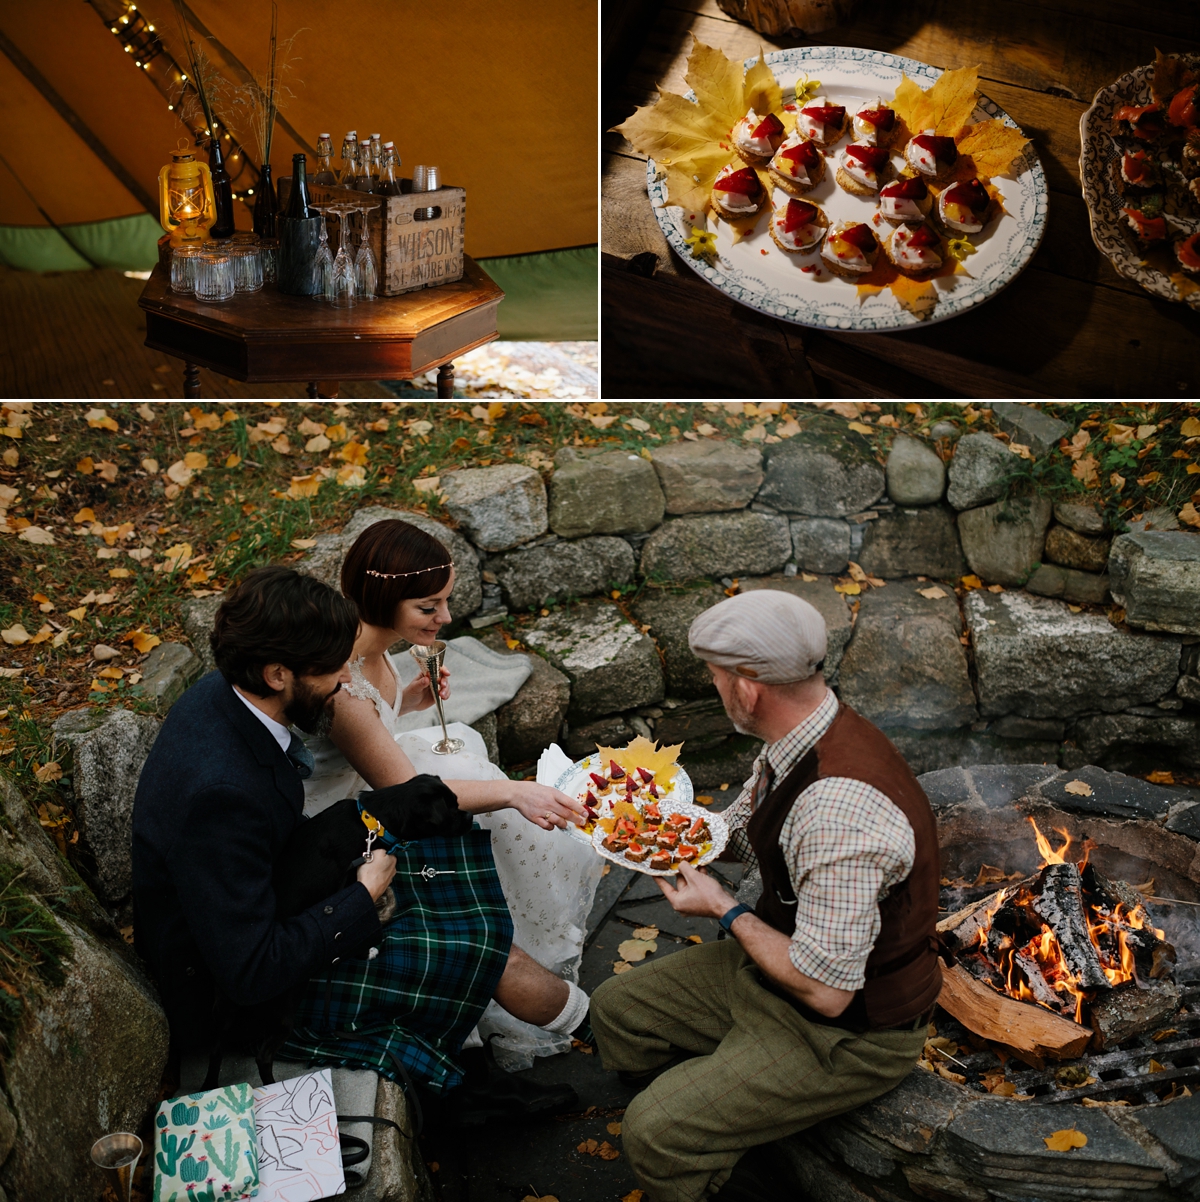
(1048, 854)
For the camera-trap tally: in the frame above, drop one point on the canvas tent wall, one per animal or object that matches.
(501, 95)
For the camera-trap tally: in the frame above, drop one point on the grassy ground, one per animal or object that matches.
(116, 514)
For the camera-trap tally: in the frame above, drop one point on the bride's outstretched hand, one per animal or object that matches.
(545, 806)
(419, 696)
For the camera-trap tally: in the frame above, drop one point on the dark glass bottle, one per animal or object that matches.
(298, 201)
(266, 204)
(222, 191)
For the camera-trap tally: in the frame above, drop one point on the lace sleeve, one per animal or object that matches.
(362, 688)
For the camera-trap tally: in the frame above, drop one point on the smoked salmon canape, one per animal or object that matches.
(1184, 110)
(737, 192)
(1147, 224)
(661, 860)
(798, 165)
(850, 251)
(862, 169)
(1137, 172)
(1187, 251)
(931, 155)
(906, 201)
(757, 138)
(915, 250)
(874, 124)
(965, 208)
(823, 122)
(798, 226)
(1145, 122)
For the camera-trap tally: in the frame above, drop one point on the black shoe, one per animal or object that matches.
(583, 1033)
(762, 1175)
(488, 1093)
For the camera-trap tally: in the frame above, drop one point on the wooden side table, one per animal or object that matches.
(268, 336)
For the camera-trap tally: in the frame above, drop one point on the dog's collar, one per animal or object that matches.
(376, 828)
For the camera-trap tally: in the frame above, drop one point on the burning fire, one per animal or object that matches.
(1035, 969)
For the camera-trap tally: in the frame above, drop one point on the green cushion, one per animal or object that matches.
(549, 297)
(124, 243)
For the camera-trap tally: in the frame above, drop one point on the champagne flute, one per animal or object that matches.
(345, 291)
(430, 659)
(324, 263)
(118, 1155)
(365, 271)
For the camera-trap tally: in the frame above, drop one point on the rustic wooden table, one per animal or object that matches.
(270, 336)
(1069, 326)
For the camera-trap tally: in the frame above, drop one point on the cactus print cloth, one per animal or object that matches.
(440, 960)
(206, 1147)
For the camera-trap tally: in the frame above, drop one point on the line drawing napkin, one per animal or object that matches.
(299, 1157)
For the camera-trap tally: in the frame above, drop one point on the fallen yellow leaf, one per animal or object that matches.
(636, 950)
(49, 772)
(932, 592)
(195, 459)
(1193, 469)
(85, 515)
(339, 433)
(634, 1195)
(1161, 777)
(428, 484)
(308, 426)
(142, 641)
(849, 587)
(1190, 427)
(1084, 469)
(1079, 788)
(177, 554)
(232, 460)
(78, 614)
(1065, 1140)
(809, 577)
(945, 107)
(859, 427)
(119, 573)
(281, 445)
(318, 443)
(695, 939)
(151, 466)
(988, 149)
(970, 582)
(352, 476)
(1190, 515)
(613, 1128)
(179, 473)
(99, 420)
(303, 544)
(646, 933)
(620, 966)
(111, 673)
(15, 635)
(303, 486)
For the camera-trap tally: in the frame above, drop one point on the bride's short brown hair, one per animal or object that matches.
(393, 561)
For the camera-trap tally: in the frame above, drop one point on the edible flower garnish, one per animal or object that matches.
(807, 88)
(702, 242)
(959, 248)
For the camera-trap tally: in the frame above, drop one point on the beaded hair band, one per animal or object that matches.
(420, 572)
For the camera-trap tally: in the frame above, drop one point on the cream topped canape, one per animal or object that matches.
(821, 121)
(798, 165)
(931, 155)
(757, 138)
(798, 226)
(963, 207)
(1138, 170)
(850, 249)
(860, 167)
(905, 200)
(738, 192)
(1187, 252)
(874, 124)
(914, 249)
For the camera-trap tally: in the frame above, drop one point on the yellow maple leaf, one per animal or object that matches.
(303, 486)
(1065, 1140)
(85, 515)
(1190, 514)
(354, 452)
(642, 753)
(685, 139)
(987, 149)
(1084, 469)
(945, 107)
(919, 297)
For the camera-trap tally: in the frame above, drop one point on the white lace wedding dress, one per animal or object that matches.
(549, 878)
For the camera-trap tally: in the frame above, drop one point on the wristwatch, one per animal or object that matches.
(727, 919)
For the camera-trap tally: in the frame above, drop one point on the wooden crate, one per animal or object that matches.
(411, 252)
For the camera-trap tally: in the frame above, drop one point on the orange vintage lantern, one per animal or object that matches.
(187, 206)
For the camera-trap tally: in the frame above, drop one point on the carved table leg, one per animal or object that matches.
(191, 382)
(445, 381)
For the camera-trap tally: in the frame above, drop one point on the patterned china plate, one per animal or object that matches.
(1098, 154)
(773, 282)
(717, 827)
(572, 781)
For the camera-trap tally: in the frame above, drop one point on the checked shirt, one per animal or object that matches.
(846, 844)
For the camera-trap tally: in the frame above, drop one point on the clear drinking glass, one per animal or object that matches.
(269, 253)
(214, 275)
(183, 269)
(366, 275)
(324, 262)
(344, 285)
(247, 268)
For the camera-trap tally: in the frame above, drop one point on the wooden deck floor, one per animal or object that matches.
(79, 335)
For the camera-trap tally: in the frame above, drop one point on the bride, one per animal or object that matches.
(401, 580)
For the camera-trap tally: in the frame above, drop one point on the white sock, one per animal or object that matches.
(572, 1013)
(474, 1040)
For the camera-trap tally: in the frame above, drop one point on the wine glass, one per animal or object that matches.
(343, 285)
(365, 273)
(324, 262)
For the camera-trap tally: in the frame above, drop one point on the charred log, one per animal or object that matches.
(1043, 992)
(1057, 899)
(1129, 1010)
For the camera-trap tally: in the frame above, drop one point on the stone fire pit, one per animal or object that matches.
(934, 1138)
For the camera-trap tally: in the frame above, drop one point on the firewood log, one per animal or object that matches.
(782, 18)
(1058, 901)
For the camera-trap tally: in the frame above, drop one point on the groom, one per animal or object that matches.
(218, 798)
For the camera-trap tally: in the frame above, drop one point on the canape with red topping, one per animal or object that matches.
(823, 122)
(617, 843)
(798, 226)
(1146, 229)
(636, 852)
(874, 124)
(850, 249)
(757, 138)
(1144, 122)
(861, 168)
(1184, 109)
(906, 200)
(798, 165)
(931, 155)
(1187, 251)
(965, 207)
(1137, 171)
(661, 860)
(738, 192)
(915, 250)
(686, 853)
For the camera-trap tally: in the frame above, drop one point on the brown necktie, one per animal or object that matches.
(762, 787)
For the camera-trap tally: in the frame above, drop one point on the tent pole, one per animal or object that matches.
(72, 118)
(49, 220)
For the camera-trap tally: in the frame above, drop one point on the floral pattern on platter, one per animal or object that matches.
(761, 282)
(1099, 152)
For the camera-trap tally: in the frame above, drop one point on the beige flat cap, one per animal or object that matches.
(767, 635)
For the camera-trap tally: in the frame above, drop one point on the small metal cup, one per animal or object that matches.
(426, 179)
(430, 658)
(118, 1155)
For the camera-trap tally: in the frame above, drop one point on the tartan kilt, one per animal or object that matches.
(440, 960)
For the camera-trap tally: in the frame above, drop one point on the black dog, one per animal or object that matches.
(320, 859)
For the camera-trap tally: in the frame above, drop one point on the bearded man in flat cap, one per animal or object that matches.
(819, 1001)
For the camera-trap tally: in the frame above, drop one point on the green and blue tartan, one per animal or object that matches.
(440, 960)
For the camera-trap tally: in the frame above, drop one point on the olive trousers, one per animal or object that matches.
(758, 1070)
